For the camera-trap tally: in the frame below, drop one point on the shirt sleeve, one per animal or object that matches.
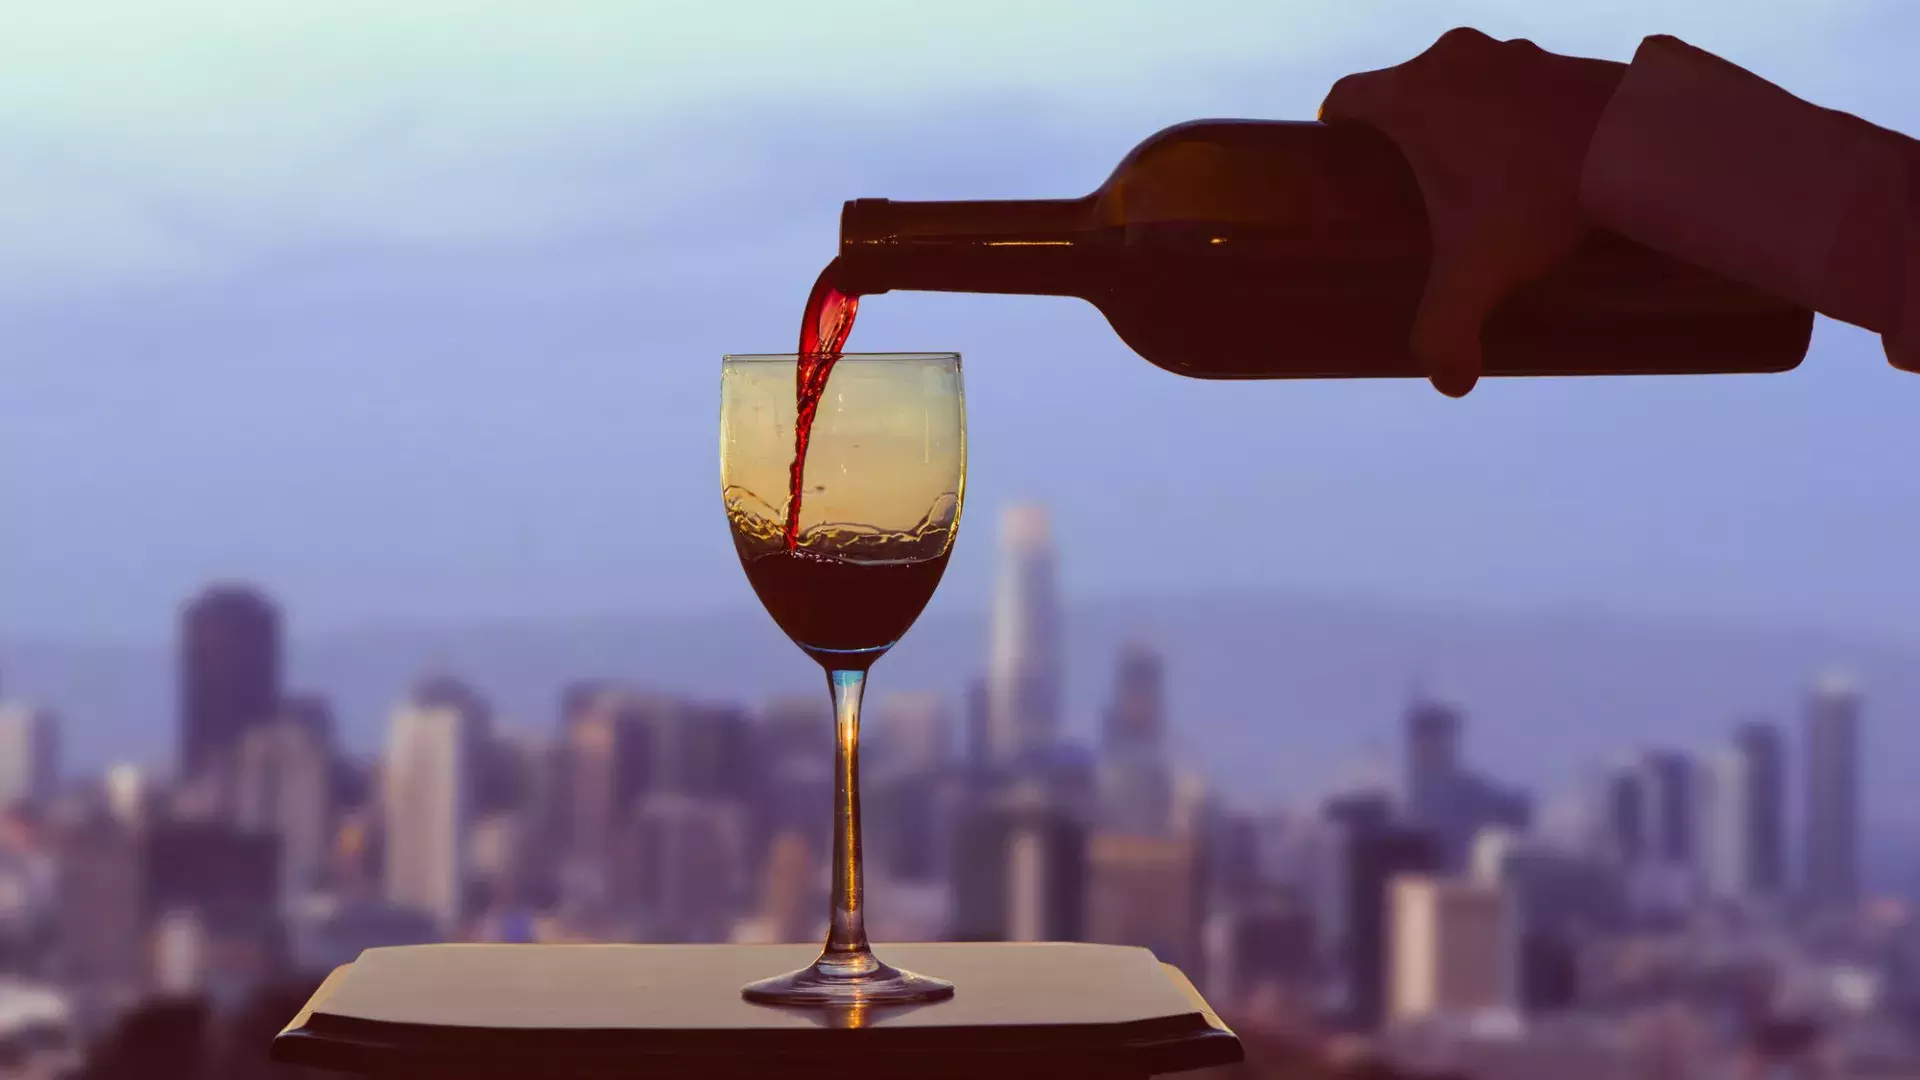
(1705, 161)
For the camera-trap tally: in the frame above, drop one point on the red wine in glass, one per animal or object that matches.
(842, 613)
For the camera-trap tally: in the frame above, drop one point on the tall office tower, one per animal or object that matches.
(1455, 948)
(229, 677)
(1136, 783)
(1231, 850)
(909, 791)
(796, 748)
(1672, 803)
(1343, 819)
(714, 753)
(979, 731)
(283, 787)
(1252, 950)
(609, 757)
(1020, 872)
(29, 754)
(1024, 649)
(432, 752)
(1726, 798)
(1135, 720)
(1763, 758)
(680, 867)
(1146, 891)
(1626, 824)
(1833, 793)
(220, 880)
(1433, 766)
(1563, 897)
(1375, 856)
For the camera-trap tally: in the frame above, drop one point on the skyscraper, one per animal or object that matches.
(796, 751)
(1742, 842)
(1455, 948)
(432, 751)
(1765, 828)
(1433, 766)
(1146, 891)
(1443, 796)
(1135, 720)
(611, 756)
(1136, 782)
(1374, 858)
(1833, 792)
(29, 754)
(910, 793)
(283, 787)
(1020, 872)
(680, 866)
(229, 677)
(1626, 825)
(1024, 650)
(227, 879)
(1727, 803)
(1671, 804)
(712, 751)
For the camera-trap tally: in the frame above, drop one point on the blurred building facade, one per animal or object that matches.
(1832, 842)
(230, 678)
(432, 752)
(1025, 650)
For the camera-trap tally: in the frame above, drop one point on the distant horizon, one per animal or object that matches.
(1570, 607)
(1271, 691)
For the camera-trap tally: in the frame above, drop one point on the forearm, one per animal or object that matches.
(1708, 162)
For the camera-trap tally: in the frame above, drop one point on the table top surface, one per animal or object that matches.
(667, 1010)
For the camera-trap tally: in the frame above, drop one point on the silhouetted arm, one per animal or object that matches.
(1705, 161)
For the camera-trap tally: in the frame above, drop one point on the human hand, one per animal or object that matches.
(1496, 133)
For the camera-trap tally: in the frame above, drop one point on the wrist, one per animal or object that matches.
(1703, 160)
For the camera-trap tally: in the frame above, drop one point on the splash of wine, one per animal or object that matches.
(823, 336)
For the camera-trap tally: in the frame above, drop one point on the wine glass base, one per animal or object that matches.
(827, 982)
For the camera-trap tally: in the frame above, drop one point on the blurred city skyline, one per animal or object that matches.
(414, 318)
(1429, 903)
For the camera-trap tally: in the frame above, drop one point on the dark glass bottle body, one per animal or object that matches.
(1273, 249)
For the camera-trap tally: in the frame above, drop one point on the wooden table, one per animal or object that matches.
(666, 1012)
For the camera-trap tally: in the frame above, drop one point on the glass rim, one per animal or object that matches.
(846, 358)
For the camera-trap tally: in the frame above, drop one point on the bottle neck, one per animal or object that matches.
(1011, 246)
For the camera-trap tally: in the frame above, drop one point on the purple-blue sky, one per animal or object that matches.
(418, 313)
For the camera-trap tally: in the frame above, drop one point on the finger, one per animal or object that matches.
(1464, 284)
(1446, 340)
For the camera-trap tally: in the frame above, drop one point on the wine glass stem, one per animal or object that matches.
(847, 932)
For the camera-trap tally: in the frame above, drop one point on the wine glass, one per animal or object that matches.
(880, 486)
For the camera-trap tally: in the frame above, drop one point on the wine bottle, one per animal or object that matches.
(1272, 249)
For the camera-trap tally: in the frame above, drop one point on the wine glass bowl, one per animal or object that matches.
(880, 487)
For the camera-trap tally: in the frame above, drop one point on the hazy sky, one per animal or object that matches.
(415, 311)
